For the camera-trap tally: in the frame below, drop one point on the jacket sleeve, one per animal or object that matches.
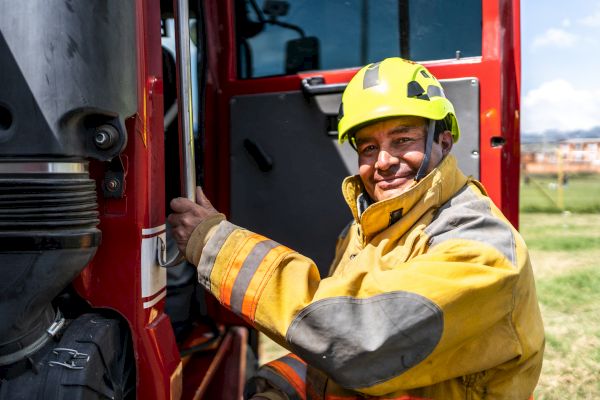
(282, 379)
(443, 314)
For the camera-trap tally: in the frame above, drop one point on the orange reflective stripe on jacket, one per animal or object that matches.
(290, 375)
(246, 274)
(287, 374)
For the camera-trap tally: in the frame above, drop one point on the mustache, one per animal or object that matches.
(382, 176)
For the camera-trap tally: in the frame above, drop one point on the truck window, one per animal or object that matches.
(283, 37)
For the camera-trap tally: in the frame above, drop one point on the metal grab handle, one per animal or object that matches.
(184, 101)
(316, 85)
(164, 260)
(186, 133)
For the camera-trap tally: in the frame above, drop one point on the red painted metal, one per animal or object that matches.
(498, 71)
(113, 280)
(222, 371)
(228, 382)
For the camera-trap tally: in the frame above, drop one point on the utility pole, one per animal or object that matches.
(560, 177)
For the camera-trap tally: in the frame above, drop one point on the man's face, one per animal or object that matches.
(390, 153)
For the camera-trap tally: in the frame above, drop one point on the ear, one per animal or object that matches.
(446, 142)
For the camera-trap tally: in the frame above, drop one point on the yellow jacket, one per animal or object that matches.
(431, 296)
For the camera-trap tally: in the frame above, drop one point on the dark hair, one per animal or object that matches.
(441, 126)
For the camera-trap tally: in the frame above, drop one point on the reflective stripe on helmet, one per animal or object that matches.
(391, 88)
(371, 77)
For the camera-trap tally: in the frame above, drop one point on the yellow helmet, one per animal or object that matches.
(391, 88)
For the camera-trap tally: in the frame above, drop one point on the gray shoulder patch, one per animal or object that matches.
(468, 216)
(362, 342)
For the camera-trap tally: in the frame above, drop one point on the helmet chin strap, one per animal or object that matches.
(427, 154)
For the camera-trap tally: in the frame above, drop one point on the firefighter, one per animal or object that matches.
(431, 294)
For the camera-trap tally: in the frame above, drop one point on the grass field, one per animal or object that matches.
(581, 194)
(565, 253)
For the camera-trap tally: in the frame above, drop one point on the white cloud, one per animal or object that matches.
(592, 21)
(555, 37)
(557, 105)
(566, 23)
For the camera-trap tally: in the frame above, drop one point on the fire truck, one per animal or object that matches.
(110, 108)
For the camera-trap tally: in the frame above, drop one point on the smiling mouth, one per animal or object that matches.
(393, 182)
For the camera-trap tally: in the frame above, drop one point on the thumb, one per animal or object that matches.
(201, 197)
(181, 204)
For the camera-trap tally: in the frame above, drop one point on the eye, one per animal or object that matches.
(402, 140)
(367, 149)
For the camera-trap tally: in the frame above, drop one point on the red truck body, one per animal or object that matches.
(124, 276)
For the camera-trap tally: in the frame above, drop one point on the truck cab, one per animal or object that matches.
(106, 114)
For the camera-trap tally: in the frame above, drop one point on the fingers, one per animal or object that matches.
(181, 236)
(181, 204)
(181, 239)
(186, 221)
(187, 215)
(182, 227)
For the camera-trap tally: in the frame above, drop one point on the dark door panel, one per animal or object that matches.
(298, 202)
(287, 167)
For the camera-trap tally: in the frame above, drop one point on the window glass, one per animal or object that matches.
(438, 29)
(276, 37)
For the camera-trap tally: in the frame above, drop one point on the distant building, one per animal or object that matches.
(581, 150)
(580, 155)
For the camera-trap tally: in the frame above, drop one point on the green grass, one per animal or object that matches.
(571, 292)
(566, 243)
(580, 195)
(561, 232)
(565, 253)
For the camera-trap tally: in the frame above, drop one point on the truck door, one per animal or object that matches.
(274, 84)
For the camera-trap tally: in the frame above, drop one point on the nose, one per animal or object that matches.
(385, 160)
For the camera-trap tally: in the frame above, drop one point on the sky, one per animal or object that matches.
(560, 61)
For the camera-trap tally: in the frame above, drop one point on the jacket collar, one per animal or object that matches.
(406, 209)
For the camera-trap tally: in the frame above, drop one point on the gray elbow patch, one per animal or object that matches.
(362, 342)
